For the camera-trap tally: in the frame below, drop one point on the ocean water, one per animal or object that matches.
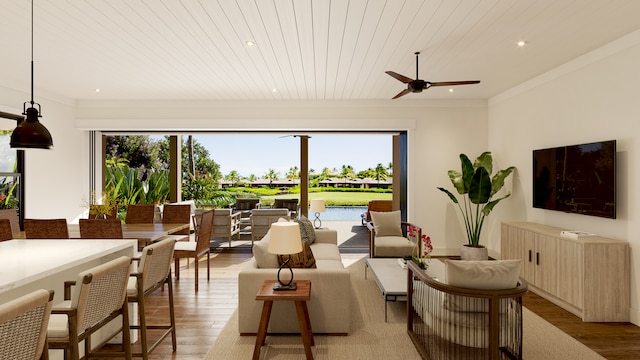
(340, 213)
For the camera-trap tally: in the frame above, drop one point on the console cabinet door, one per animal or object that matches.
(571, 272)
(512, 246)
(546, 269)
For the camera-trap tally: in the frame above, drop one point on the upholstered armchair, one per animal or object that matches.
(387, 235)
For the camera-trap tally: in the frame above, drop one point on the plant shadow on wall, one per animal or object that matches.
(477, 187)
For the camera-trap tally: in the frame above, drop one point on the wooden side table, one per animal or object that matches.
(300, 296)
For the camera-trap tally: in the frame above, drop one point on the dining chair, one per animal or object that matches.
(23, 323)
(5, 230)
(46, 229)
(196, 249)
(140, 214)
(177, 214)
(12, 215)
(99, 296)
(100, 229)
(154, 270)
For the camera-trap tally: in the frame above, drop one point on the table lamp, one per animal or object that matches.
(317, 206)
(285, 240)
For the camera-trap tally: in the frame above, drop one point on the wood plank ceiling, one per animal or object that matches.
(304, 49)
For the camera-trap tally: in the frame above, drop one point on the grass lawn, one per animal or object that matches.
(337, 198)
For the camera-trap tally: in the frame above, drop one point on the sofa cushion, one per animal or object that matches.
(483, 274)
(325, 252)
(329, 265)
(387, 223)
(264, 259)
(307, 233)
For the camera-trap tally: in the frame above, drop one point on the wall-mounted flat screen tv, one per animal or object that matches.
(577, 179)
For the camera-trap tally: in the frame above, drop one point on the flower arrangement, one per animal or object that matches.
(106, 207)
(422, 246)
(8, 202)
(7, 198)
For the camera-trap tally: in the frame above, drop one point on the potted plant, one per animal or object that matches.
(478, 187)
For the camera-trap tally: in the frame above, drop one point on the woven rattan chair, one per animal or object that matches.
(154, 270)
(23, 326)
(99, 296)
(177, 214)
(13, 217)
(5, 230)
(140, 214)
(196, 249)
(46, 229)
(100, 229)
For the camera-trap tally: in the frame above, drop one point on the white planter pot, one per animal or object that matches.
(474, 253)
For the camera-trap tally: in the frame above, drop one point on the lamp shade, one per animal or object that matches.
(317, 205)
(30, 133)
(284, 238)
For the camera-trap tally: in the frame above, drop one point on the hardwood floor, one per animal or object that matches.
(201, 316)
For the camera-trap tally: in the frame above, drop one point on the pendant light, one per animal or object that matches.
(30, 133)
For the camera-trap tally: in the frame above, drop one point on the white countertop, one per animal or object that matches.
(26, 261)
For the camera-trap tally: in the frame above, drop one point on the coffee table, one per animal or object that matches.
(390, 277)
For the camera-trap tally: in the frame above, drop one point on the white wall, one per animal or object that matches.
(590, 99)
(56, 180)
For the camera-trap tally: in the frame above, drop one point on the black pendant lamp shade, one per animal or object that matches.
(30, 133)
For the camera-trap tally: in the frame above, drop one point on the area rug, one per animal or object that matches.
(373, 338)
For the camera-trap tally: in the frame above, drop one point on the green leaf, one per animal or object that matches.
(485, 160)
(457, 181)
(480, 189)
(487, 208)
(498, 179)
(467, 172)
(451, 196)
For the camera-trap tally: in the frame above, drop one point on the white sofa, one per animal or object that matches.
(330, 304)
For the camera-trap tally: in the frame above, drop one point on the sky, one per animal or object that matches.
(257, 153)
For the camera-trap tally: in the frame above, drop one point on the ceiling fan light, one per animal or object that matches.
(30, 133)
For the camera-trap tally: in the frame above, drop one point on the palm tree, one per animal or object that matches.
(271, 175)
(233, 176)
(293, 173)
(381, 173)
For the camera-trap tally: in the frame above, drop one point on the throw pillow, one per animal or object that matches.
(483, 275)
(387, 223)
(303, 259)
(264, 259)
(307, 233)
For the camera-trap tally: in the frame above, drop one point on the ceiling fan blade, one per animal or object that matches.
(451, 83)
(397, 76)
(401, 93)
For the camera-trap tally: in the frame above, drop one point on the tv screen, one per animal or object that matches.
(577, 179)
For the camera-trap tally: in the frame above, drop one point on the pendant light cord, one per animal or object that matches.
(32, 102)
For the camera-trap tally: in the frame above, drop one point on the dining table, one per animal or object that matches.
(144, 233)
(29, 265)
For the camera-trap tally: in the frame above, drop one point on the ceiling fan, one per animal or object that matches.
(418, 85)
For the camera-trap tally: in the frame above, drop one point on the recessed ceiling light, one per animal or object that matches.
(274, 90)
(97, 90)
(250, 43)
(522, 43)
(450, 90)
